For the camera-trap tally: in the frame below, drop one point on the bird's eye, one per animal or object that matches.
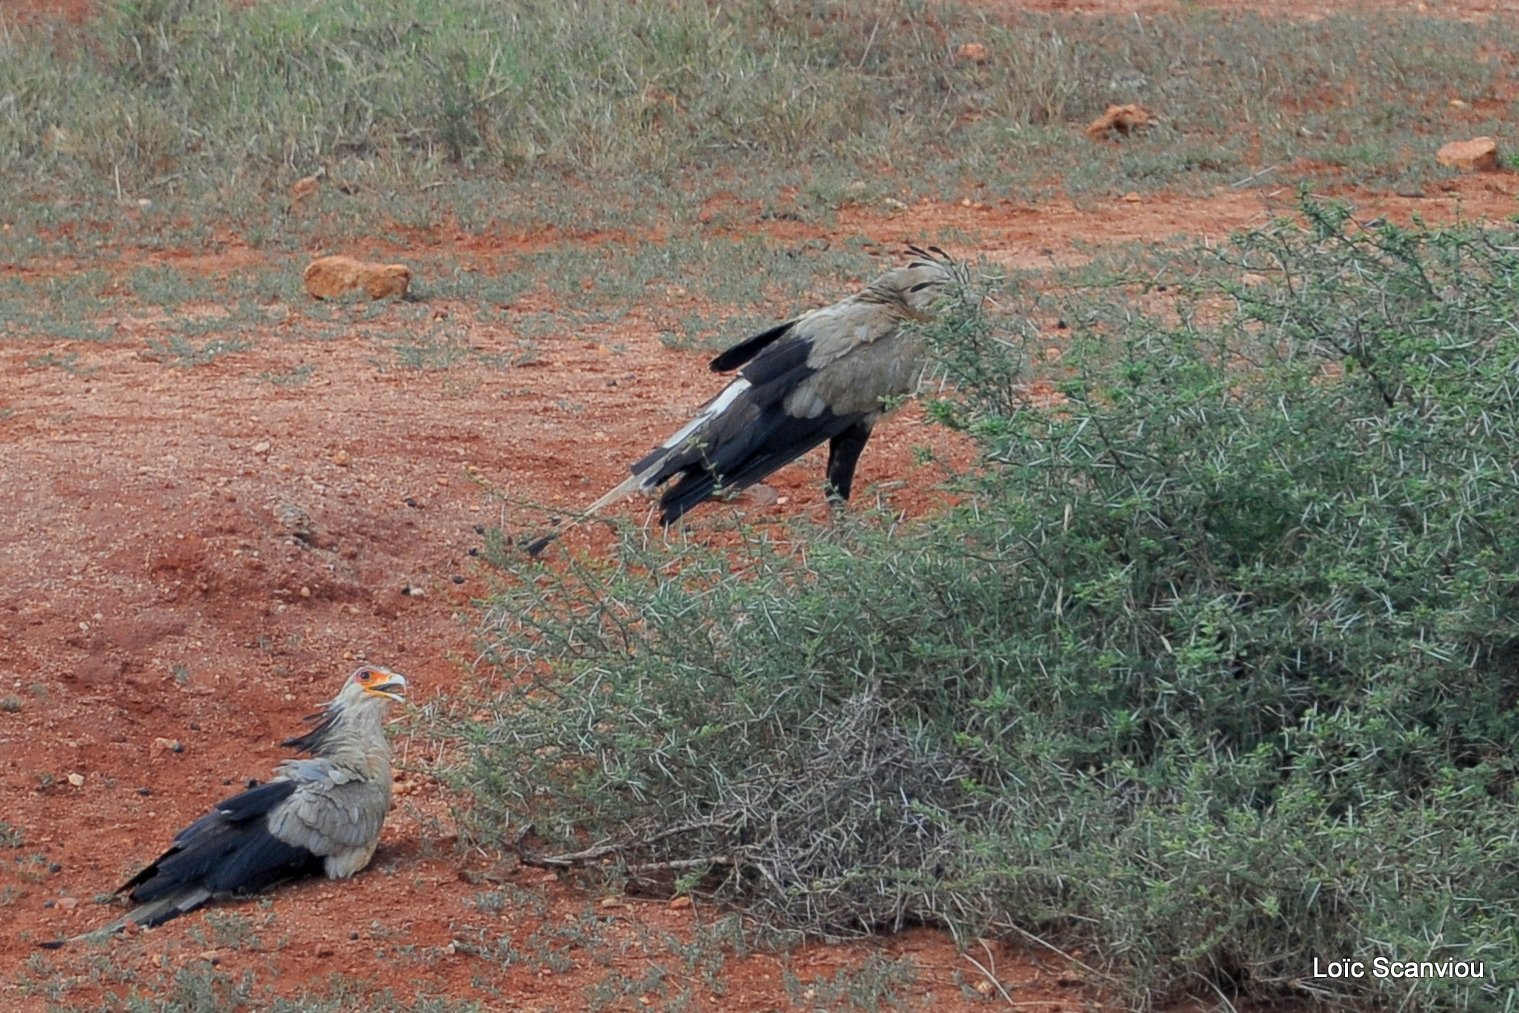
(366, 676)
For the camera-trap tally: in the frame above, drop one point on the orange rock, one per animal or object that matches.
(306, 186)
(334, 277)
(1124, 119)
(1480, 154)
(975, 52)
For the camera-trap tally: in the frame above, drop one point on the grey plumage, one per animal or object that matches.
(828, 375)
(317, 815)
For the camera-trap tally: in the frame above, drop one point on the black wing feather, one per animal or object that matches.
(747, 349)
(228, 850)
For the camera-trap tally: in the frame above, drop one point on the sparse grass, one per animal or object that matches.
(299, 376)
(166, 286)
(68, 362)
(643, 966)
(230, 930)
(11, 837)
(876, 984)
(203, 988)
(155, 100)
(180, 352)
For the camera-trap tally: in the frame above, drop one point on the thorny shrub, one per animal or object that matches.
(1211, 670)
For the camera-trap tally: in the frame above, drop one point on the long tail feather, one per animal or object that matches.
(629, 486)
(147, 915)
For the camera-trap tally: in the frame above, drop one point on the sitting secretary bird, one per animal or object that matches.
(826, 375)
(320, 815)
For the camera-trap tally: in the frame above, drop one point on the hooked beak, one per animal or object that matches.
(391, 685)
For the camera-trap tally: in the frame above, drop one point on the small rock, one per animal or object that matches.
(1123, 120)
(169, 745)
(680, 903)
(1133, 197)
(77, 780)
(975, 52)
(68, 903)
(334, 277)
(261, 447)
(761, 495)
(306, 186)
(1480, 154)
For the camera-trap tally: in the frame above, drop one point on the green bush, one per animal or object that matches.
(1211, 670)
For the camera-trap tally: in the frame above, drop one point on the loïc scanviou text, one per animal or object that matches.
(1386, 967)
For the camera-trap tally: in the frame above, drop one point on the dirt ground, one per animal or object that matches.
(190, 560)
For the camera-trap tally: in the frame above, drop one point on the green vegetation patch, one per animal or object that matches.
(233, 100)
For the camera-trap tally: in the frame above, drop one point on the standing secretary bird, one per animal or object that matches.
(317, 815)
(826, 375)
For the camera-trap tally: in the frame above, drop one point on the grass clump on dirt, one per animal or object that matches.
(201, 987)
(1211, 672)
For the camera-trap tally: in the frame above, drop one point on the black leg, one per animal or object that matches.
(843, 454)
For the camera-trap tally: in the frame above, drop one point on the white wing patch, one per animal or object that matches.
(713, 409)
